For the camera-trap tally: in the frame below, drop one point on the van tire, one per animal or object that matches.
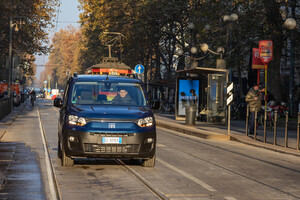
(66, 160)
(149, 162)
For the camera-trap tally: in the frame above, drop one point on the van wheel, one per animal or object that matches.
(149, 162)
(66, 160)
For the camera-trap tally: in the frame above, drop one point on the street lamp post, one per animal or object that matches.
(10, 57)
(221, 63)
(291, 24)
(229, 18)
(10, 63)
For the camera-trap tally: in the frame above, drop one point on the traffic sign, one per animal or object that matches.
(229, 87)
(229, 93)
(256, 62)
(139, 69)
(265, 51)
(51, 95)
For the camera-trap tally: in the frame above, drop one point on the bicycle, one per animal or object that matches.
(238, 111)
(269, 122)
(166, 107)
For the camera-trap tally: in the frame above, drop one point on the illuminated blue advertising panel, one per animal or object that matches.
(188, 95)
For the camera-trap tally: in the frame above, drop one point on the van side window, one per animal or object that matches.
(65, 99)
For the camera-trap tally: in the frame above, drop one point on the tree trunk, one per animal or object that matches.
(276, 35)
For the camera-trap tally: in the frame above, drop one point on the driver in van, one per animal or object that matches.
(123, 98)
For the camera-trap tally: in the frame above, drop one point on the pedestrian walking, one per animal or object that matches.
(254, 102)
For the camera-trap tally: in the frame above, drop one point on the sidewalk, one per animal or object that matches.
(218, 132)
(10, 118)
(20, 173)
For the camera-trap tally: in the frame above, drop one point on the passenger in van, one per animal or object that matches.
(123, 98)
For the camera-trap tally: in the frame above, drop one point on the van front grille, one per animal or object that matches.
(103, 134)
(111, 148)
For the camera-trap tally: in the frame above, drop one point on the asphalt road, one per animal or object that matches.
(187, 167)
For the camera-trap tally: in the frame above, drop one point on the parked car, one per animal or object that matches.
(40, 94)
(3, 95)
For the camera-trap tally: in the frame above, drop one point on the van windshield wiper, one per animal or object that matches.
(92, 107)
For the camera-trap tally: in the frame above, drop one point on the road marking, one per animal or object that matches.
(50, 173)
(230, 198)
(187, 195)
(192, 196)
(192, 178)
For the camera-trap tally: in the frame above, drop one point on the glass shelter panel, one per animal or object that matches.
(216, 98)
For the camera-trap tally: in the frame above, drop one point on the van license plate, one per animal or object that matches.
(112, 140)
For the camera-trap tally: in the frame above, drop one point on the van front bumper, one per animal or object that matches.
(140, 145)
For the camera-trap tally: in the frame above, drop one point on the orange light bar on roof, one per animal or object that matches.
(109, 71)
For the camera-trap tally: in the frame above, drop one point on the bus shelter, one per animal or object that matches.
(204, 88)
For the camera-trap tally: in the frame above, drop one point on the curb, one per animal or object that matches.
(10, 121)
(192, 131)
(267, 146)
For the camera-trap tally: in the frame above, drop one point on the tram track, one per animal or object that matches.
(144, 181)
(227, 169)
(160, 195)
(53, 180)
(227, 150)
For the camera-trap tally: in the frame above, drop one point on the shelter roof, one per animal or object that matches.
(203, 70)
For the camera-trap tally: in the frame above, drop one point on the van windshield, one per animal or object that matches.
(105, 93)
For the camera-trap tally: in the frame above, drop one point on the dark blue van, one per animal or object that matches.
(104, 116)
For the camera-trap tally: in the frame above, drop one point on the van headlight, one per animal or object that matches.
(75, 120)
(148, 121)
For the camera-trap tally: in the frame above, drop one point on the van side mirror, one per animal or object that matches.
(58, 102)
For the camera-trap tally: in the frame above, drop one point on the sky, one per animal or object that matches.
(68, 15)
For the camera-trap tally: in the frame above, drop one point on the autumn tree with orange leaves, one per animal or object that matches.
(66, 47)
(31, 36)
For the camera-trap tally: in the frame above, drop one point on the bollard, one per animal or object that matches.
(265, 126)
(190, 115)
(286, 130)
(298, 127)
(275, 128)
(255, 121)
(247, 120)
